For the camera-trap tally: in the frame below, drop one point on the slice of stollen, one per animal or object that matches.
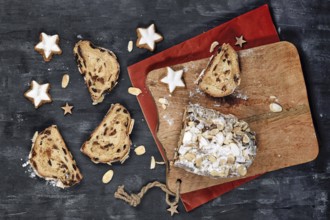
(99, 66)
(222, 74)
(51, 159)
(110, 141)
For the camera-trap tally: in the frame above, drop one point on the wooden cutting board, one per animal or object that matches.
(284, 139)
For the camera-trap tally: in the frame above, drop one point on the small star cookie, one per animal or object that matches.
(38, 94)
(48, 46)
(147, 37)
(240, 41)
(173, 79)
(67, 109)
(173, 209)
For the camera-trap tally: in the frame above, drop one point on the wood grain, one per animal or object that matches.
(284, 139)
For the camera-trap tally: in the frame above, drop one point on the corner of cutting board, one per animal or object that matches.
(316, 152)
(290, 46)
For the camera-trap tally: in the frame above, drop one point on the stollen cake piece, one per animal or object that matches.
(222, 75)
(214, 144)
(110, 141)
(51, 159)
(99, 66)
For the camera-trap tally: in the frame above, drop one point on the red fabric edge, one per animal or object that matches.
(213, 192)
(259, 32)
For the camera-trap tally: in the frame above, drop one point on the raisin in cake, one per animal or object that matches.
(99, 67)
(214, 144)
(51, 159)
(110, 141)
(222, 74)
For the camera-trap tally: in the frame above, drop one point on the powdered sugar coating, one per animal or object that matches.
(48, 45)
(148, 36)
(214, 144)
(173, 79)
(38, 93)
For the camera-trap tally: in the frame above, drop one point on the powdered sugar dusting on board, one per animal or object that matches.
(240, 94)
(168, 119)
(245, 53)
(29, 170)
(51, 182)
(197, 91)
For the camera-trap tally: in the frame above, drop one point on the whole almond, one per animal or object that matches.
(65, 80)
(107, 176)
(275, 107)
(241, 170)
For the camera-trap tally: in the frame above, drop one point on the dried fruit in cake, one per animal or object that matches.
(99, 66)
(222, 74)
(51, 159)
(110, 141)
(214, 144)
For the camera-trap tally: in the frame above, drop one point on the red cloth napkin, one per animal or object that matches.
(257, 28)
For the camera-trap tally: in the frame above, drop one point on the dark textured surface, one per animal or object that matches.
(300, 192)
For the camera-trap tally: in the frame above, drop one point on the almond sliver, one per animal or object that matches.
(130, 46)
(140, 150)
(134, 91)
(152, 163)
(213, 45)
(65, 80)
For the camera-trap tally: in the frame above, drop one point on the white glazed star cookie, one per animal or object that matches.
(48, 46)
(173, 79)
(147, 37)
(38, 94)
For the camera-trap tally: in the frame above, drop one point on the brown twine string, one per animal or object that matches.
(135, 199)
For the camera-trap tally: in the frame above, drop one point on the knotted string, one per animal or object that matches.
(135, 199)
